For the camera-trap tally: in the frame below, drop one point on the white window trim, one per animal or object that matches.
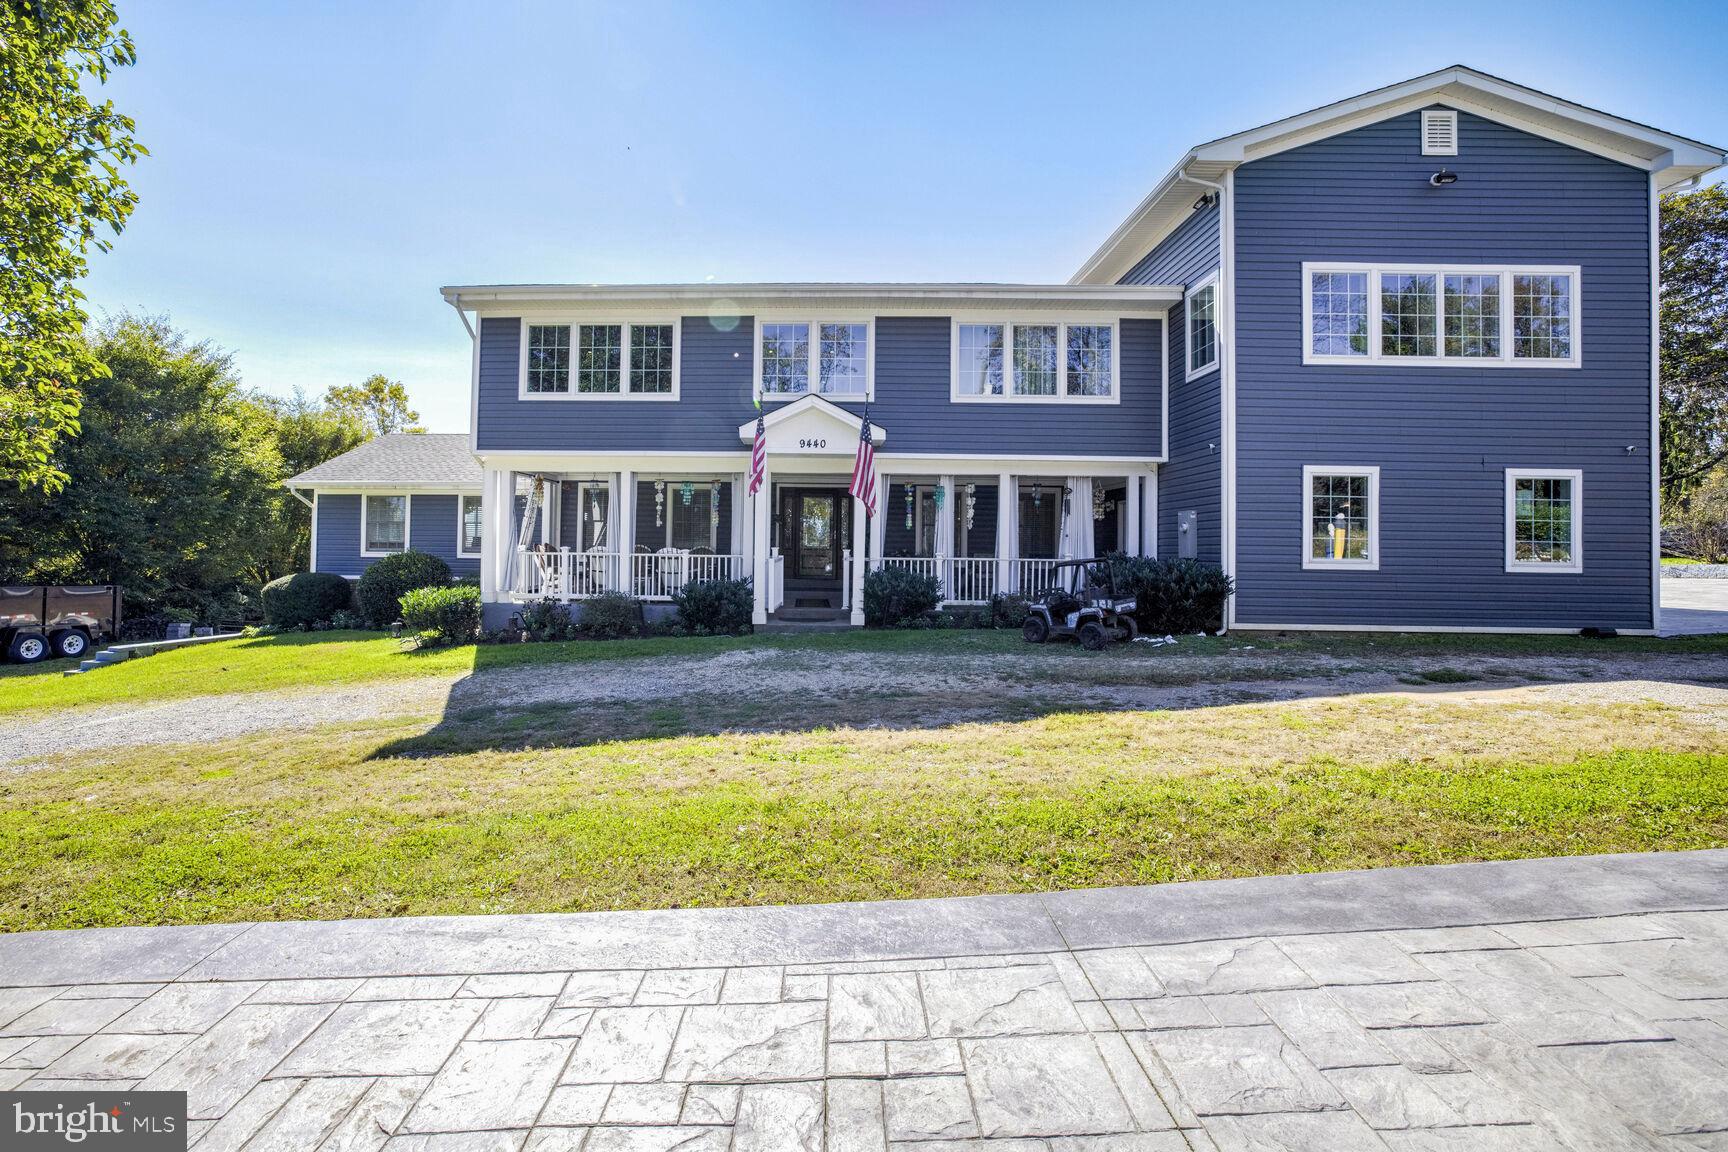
(623, 392)
(1505, 272)
(813, 371)
(1211, 365)
(1372, 472)
(1061, 325)
(407, 522)
(462, 523)
(1439, 114)
(1513, 475)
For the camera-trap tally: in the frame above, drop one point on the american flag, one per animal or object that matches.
(759, 457)
(864, 467)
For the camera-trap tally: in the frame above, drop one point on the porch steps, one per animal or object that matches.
(796, 627)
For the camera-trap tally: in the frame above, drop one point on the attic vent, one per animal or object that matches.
(1439, 133)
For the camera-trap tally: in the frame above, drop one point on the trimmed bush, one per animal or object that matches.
(1006, 610)
(610, 616)
(546, 620)
(449, 615)
(1175, 597)
(382, 586)
(897, 597)
(715, 607)
(306, 599)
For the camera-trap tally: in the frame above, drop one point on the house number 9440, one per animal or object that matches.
(807, 443)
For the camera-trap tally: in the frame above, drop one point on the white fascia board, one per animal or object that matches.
(387, 487)
(489, 297)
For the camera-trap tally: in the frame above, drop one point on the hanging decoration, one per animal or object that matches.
(714, 503)
(940, 496)
(910, 493)
(971, 505)
(687, 492)
(659, 502)
(1037, 494)
(1102, 506)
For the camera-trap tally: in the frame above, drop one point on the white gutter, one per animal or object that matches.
(456, 305)
(295, 492)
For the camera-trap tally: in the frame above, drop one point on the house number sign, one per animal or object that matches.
(808, 442)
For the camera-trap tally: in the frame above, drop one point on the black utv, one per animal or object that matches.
(1080, 600)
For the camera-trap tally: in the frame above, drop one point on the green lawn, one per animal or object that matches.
(336, 658)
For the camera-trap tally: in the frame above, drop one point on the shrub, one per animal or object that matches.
(448, 615)
(346, 620)
(1006, 610)
(715, 607)
(897, 597)
(610, 616)
(546, 620)
(1700, 531)
(1177, 597)
(305, 599)
(381, 586)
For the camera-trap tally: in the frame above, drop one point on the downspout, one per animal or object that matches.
(454, 304)
(1226, 382)
(295, 492)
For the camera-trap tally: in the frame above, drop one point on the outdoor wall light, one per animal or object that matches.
(1442, 178)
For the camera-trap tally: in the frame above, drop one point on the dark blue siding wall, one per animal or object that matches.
(1191, 480)
(912, 405)
(431, 528)
(1443, 437)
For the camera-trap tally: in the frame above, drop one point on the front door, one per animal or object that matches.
(812, 530)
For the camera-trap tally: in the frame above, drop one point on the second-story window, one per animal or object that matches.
(1034, 362)
(1034, 359)
(979, 368)
(1407, 314)
(548, 358)
(600, 360)
(651, 358)
(1203, 328)
(834, 354)
(599, 354)
(1088, 359)
(1542, 316)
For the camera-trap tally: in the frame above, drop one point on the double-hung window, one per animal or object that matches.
(611, 359)
(1202, 311)
(1032, 362)
(1544, 520)
(470, 527)
(828, 357)
(1440, 315)
(1341, 509)
(383, 525)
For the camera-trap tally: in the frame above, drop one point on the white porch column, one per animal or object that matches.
(491, 543)
(859, 531)
(1131, 518)
(1149, 514)
(1007, 543)
(761, 507)
(943, 537)
(879, 522)
(626, 530)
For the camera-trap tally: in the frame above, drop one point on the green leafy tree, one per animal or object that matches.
(171, 482)
(306, 433)
(1694, 340)
(378, 402)
(60, 189)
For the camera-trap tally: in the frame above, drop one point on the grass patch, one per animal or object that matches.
(669, 805)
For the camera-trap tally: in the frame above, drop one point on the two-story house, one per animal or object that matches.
(1391, 363)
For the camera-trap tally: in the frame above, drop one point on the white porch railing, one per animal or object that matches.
(971, 579)
(776, 582)
(563, 574)
(1032, 576)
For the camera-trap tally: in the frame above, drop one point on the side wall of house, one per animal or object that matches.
(431, 528)
(1191, 480)
(1443, 437)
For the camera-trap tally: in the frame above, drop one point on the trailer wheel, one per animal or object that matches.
(1035, 630)
(1093, 637)
(28, 648)
(71, 644)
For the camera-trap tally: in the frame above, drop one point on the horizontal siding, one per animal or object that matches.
(1442, 437)
(912, 406)
(338, 536)
(431, 529)
(1191, 481)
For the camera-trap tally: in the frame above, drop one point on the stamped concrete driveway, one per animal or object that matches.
(1552, 1004)
(1694, 607)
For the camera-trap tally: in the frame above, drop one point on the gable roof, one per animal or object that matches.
(440, 460)
(823, 407)
(1673, 160)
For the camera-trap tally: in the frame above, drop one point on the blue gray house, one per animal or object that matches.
(1391, 363)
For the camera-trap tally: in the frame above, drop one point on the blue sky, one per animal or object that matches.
(319, 170)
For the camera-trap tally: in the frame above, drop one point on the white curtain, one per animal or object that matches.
(1077, 537)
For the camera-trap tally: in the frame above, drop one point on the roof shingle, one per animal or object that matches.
(405, 459)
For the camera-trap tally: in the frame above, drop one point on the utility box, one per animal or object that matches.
(1187, 535)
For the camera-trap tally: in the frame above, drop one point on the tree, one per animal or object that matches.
(381, 404)
(60, 161)
(1694, 339)
(306, 433)
(171, 482)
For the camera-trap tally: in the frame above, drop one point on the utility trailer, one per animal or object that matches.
(39, 620)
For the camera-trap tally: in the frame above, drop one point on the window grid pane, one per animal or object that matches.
(1542, 520)
(980, 359)
(473, 526)
(841, 369)
(1035, 360)
(1340, 313)
(599, 353)
(386, 523)
(1202, 329)
(1338, 518)
(1542, 317)
(548, 358)
(785, 358)
(651, 358)
(692, 524)
(1407, 320)
(1473, 315)
(1088, 360)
